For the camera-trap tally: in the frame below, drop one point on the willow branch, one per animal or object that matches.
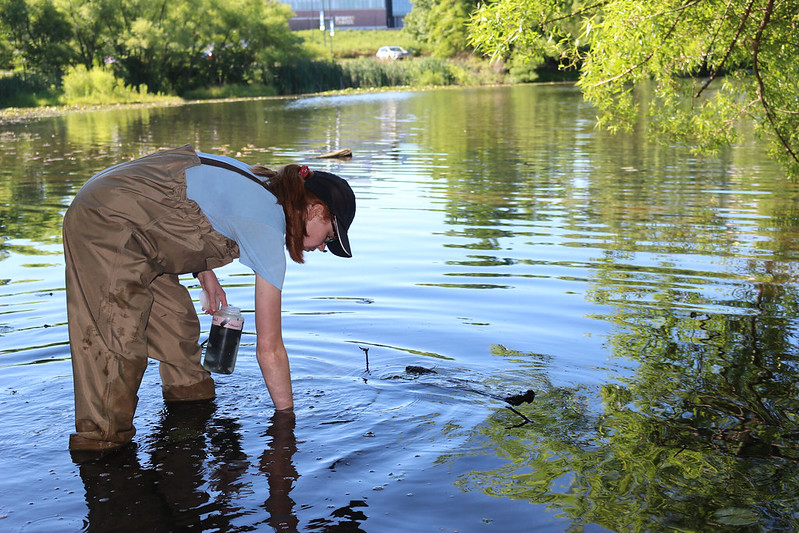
(575, 13)
(761, 86)
(721, 18)
(646, 60)
(717, 70)
(675, 10)
(741, 111)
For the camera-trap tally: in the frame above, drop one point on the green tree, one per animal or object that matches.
(708, 63)
(94, 24)
(442, 24)
(40, 32)
(167, 46)
(13, 25)
(200, 42)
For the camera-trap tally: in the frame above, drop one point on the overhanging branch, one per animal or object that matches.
(575, 13)
(717, 70)
(761, 86)
(677, 20)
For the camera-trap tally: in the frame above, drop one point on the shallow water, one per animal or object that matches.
(646, 295)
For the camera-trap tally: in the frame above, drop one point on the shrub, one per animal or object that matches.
(432, 71)
(100, 86)
(25, 90)
(369, 72)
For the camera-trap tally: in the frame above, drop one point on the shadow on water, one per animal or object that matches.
(192, 475)
(169, 491)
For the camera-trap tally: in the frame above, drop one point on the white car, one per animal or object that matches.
(392, 52)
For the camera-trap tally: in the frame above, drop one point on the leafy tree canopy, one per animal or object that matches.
(707, 63)
(167, 46)
(442, 24)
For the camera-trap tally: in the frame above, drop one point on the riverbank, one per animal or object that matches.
(13, 115)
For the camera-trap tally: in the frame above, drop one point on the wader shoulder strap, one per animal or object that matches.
(228, 166)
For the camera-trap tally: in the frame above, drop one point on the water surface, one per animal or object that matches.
(646, 295)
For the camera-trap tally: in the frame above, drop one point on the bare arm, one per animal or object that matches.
(270, 351)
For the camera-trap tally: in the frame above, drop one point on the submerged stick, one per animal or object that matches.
(514, 400)
(526, 420)
(366, 352)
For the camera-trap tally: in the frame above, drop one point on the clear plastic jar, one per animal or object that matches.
(223, 340)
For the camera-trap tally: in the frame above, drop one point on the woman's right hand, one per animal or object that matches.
(216, 296)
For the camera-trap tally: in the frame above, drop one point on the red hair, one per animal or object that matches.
(289, 189)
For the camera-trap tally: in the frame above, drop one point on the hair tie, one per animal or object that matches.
(304, 171)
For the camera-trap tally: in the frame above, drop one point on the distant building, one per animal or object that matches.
(348, 14)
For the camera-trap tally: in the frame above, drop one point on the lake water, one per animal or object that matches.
(647, 296)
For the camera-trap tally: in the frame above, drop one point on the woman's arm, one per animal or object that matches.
(271, 354)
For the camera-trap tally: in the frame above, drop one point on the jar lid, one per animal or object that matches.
(229, 310)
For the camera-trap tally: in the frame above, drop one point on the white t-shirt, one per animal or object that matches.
(244, 212)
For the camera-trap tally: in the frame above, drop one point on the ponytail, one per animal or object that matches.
(289, 189)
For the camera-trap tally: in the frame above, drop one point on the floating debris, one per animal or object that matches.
(419, 370)
(514, 400)
(344, 153)
(518, 399)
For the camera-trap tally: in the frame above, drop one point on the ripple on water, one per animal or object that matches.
(56, 523)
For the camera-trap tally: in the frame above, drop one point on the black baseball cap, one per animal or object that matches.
(337, 195)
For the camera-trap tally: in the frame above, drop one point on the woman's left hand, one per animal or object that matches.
(216, 295)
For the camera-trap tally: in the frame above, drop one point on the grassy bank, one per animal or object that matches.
(351, 44)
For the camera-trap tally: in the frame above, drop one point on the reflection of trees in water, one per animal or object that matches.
(196, 476)
(721, 365)
(703, 433)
